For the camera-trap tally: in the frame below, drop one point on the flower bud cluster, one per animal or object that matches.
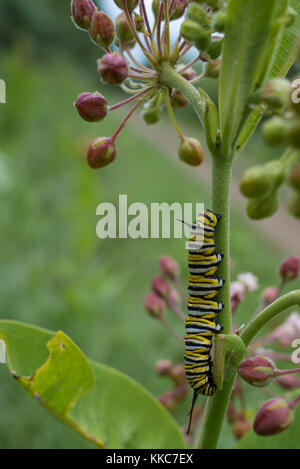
(175, 372)
(202, 20)
(203, 27)
(245, 283)
(163, 294)
(260, 185)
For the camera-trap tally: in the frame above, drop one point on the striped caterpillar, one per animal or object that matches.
(204, 285)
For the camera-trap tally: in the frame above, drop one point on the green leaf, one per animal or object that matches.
(289, 439)
(248, 29)
(211, 121)
(101, 404)
(286, 52)
(285, 55)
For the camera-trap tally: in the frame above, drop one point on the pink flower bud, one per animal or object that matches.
(241, 427)
(288, 331)
(163, 367)
(191, 152)
(177, 373)
(102, 151)
(269, 295)
(171, 399)
(178, 9)
(154, 305)
(257, 371)
(113, 68)
(289, 269)
(178, 99)
(189, 74)
(288, 381)
(102, 29)
(233, 414)
(82, 12)
(168, 400)
(237, 293)
(249, 281)
(173, 297)
(160, 287)
(92, 107)
(273, 417)
(169, 267)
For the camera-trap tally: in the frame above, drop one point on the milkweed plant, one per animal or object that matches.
(249, 47)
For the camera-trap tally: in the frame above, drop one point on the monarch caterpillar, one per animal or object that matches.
(203, 286)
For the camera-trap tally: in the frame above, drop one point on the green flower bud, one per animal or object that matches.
(192, 31)
(151, 113)
(219, 21)
(256, 182)
(139, 24)
(294, 204)
(215, 49)
(214, 4)
(258, 209)
(276, 93)
(294, 178)
(191, 152)
(275, 131)
(212, 69)
(131, 4)
(155, 7)
(125, 35)
(276, 173)
(293, 133)
(203, 43)
(198, 14)
(102, 29)
(130, 45)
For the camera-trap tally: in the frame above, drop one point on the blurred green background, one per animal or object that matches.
(55, 272)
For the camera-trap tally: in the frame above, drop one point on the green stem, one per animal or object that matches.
(216, 406)
(221, 190)
(269, 313)
(172, 79)
(222, 169)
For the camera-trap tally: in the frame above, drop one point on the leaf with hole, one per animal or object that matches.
(100, 403)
